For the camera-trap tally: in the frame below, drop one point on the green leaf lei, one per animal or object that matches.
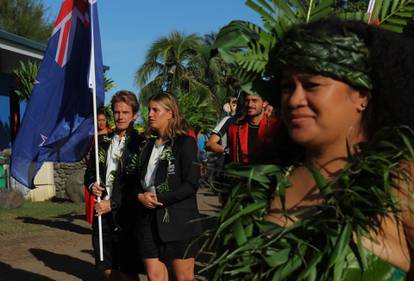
(319, 246)
(129, 165)
(166, 155)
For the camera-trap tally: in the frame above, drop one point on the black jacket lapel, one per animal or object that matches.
(145, 155)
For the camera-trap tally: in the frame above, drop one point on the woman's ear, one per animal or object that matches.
(362, 100)
(170, 114)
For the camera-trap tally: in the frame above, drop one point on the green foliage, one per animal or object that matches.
(166, 65)
(26, 74)
(26, 18)
(197, 112)
(394, 15)
(246, 46)
(182, 65)
(109, 84)
(143, 115)
(357, 6)
(109, 116)
(319, 246)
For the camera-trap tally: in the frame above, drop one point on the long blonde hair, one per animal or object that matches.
(176, 125)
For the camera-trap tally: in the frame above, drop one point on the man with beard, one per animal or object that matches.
(253, 132)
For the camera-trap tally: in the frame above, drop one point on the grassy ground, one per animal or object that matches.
(13, 222)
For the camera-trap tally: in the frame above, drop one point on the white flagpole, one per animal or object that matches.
(371, 10)
(92, 85)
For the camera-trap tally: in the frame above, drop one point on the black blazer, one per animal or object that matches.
(122, 200)
(181, 200)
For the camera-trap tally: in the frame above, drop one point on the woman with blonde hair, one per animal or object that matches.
(169, 179)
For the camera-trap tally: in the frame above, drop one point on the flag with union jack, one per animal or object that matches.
(58, 123)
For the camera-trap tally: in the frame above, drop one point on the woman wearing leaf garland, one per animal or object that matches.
(341, 209)
(169, 182)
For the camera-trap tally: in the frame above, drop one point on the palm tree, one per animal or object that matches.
(109, 84)
(167, 65)
(212, 71)
(176, 64)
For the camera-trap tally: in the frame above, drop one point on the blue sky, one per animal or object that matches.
(128, 27)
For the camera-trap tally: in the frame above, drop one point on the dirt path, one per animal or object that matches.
(57, 253)
(61, 251)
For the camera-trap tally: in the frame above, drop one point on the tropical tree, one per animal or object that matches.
(26, 18)
(167, 65)
(109, 84)
(181, 64)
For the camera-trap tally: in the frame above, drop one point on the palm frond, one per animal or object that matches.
(393, 15)
(26, 75)
(151, 88)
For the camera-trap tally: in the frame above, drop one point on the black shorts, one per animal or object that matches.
(130, 261)
(151, 246)
(120, 247)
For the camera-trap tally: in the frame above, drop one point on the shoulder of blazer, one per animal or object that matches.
(146, 150)
(183, 140)
(136, 140)
(105, 140)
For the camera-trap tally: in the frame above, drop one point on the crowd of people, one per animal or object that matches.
(338, 86)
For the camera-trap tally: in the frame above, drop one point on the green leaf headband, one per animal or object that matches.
(341, 57)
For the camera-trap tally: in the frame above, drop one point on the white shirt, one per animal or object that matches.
(149, 179)
(112, 160)
(220, 131)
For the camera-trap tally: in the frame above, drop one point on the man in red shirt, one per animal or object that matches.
(253, 132)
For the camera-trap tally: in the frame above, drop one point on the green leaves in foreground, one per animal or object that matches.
(320, 245)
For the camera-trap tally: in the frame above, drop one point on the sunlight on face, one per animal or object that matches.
(158, 116)
(319, 110)
(254, 105)
(102, 124)
(123, 115)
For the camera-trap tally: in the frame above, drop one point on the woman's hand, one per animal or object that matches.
(149, 200)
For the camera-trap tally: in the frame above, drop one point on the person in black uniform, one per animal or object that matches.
(117, 152)
(169, 179)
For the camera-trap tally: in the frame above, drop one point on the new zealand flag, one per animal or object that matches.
(58, 122)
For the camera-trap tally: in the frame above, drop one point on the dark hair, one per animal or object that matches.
(102, 111)
(127, 97)
(391, 58)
